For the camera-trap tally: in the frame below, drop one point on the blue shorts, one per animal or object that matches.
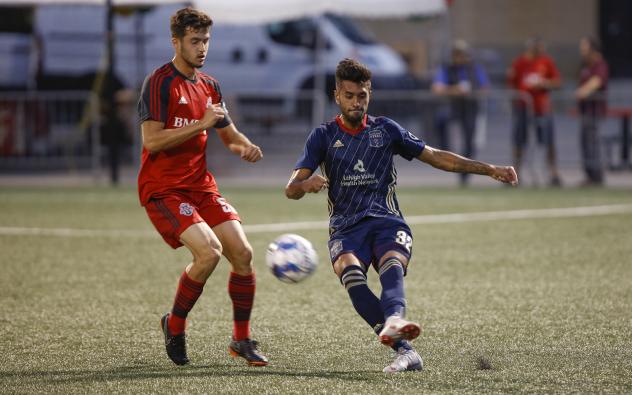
(371, 238)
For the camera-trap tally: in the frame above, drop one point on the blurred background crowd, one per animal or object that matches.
(546, 86)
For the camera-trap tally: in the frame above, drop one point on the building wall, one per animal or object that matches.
(505, 22)
(496, 29)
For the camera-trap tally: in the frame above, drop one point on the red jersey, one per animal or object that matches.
(169, 97)
(527, 72)
(595, 104)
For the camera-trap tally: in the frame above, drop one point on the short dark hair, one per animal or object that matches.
(352, 70)
(189, 18)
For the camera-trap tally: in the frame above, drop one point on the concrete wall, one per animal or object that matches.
(496, 29)
(505, 22)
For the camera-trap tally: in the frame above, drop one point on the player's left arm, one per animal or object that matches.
(449, 161)
(239, 144)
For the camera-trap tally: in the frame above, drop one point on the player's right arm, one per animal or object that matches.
(156, 138)
(304, 181)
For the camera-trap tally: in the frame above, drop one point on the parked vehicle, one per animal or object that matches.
(274, 57)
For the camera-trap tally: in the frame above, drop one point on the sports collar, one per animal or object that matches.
(352, 132)
(195, 76)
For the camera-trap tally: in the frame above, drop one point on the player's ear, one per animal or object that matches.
(174, 42)
(336, 97)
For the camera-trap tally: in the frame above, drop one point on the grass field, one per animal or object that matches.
(529, 305)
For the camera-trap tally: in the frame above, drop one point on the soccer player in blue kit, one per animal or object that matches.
(355, 154)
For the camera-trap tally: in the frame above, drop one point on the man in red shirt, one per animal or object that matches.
(534, 74)
(178, 106)
(591, 94)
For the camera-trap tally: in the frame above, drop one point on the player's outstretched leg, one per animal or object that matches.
(366, 304)
(393, 304)
(241, 289)
(173, 323)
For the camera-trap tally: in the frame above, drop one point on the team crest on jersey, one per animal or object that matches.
(375, 138)
(186, 209)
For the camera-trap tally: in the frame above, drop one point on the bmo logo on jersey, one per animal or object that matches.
(179, 122)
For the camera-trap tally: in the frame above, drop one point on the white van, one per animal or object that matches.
(284, 56)
(277, 57)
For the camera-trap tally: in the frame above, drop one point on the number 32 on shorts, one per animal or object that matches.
(404, 239)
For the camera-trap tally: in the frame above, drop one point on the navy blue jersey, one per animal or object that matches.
(359, 166)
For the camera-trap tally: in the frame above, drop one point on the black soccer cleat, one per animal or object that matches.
(247, 349)
(176, 345)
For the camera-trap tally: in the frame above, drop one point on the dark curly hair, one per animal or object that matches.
(189, 18)
(352, 70)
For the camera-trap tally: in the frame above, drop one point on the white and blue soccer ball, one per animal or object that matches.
(291, 258)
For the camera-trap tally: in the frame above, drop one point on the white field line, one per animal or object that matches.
(311, 225)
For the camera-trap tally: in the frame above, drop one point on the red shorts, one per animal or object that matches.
(173, 212)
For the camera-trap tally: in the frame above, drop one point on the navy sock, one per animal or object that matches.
(392, 280)
(363, 299)
(403, 344)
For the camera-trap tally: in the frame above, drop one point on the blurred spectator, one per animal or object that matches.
(534, 73)
(591, 95)
(460, 81)
(115, 113)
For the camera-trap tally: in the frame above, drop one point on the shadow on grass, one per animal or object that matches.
(153, 372)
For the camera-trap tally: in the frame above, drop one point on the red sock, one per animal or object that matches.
(187, 294)
(242, 292)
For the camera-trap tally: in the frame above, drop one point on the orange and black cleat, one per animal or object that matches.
(247, 349)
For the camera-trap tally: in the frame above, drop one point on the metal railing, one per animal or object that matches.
(49, 130)
(42, 131)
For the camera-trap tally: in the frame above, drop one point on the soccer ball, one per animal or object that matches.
(291, 258)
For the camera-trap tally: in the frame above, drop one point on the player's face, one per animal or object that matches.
(193, 47)
(353, 100)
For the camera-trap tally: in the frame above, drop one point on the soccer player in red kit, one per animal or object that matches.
(178, 107)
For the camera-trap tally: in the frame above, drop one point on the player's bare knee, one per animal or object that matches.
(241, 259)
(341, 264)
(209, 257)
